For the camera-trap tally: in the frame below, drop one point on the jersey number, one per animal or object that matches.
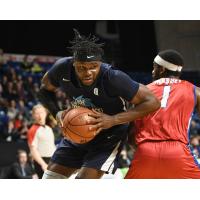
(165, 96)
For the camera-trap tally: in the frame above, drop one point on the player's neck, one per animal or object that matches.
(174, 77)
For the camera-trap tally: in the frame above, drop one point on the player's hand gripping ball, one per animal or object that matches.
(76, 126)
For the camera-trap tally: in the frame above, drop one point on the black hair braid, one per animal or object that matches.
(87, 45)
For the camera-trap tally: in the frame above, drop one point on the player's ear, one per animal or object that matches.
(162, 70)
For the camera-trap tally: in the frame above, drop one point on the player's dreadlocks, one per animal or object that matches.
(85, 48)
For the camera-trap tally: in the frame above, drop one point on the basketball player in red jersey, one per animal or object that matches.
(162, 138)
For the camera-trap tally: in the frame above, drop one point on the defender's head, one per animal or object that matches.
(87, 55)
(167, 63)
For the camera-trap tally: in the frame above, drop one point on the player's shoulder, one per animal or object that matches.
(112, 73)
(60, 67)
(63, 61)
(187, 83)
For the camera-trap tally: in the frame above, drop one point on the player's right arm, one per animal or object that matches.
(47, 95)
(198, 99)
(48, 99)
(49, 84)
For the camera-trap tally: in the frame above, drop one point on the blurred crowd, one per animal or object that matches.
(19, 85)
(194, 134)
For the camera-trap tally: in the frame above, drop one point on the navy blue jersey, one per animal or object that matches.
(107, 94)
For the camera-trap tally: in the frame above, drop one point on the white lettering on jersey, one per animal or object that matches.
(167, 81)
(165, 96)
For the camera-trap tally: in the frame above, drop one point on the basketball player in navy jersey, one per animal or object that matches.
(89, 82)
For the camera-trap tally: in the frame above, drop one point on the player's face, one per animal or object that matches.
(157, 72)
(87, 72)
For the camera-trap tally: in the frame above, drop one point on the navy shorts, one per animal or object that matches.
(101, 153)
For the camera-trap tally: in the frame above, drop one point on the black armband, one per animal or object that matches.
(48, 99)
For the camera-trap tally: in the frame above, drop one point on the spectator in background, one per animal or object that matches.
(28, 87)
(23, 110)
(3, 101)
(20, 90)
(11, 131)
(40, 140)
(12, 110)
(10, 73)
(22, 169)
(10, 91)
(1, 90)
(22, 128)
(195, 146)
(3, 125)
(195, 127)
(13, 76)
(4, 83)
(36, 68)
(19, 78)
(1, 58)
(26, 65)
(1, 95)
(18, 94)
(35, 91)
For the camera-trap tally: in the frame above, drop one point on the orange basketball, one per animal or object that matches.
(75, 127)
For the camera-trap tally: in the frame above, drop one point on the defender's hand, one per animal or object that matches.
(100, 121)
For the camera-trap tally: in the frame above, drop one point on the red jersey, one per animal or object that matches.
(172, 120)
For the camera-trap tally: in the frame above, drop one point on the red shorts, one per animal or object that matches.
(167, 159)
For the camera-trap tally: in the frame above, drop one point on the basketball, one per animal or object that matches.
(75, 127)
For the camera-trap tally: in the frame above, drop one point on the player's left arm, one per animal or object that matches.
(198, 99)
(144, 103)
